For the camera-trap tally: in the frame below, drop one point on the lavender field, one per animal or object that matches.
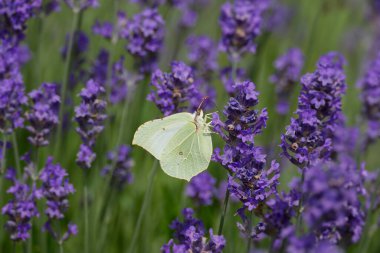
(269, 109)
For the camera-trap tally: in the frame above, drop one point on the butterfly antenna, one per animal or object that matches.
(199, 109)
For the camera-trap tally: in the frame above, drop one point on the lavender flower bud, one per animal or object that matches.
(201, 189)
(89, 115)
(176, 91)
(308, 138)
(43, 115)
(288, 69)
(145, 35)
(119, 165)
(190, 235)
(20, 209)
(55, 189)
(241, 24)
(12, 96)
(370, 97)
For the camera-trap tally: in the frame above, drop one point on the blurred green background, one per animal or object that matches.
(316, 26)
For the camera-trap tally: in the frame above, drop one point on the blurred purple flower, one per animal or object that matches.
(370, 97)
(228, 78)
(119, 165)
(308, 138)
(332, 209)
(190, 236)
(201, 189)
(12, 97)
(89, 115)
(20, 209)
(287, 72)
(202, 55)
(43, 113)
(13, 17)
(145, 35)
(240, 22)
(56, 189)
(78, 74)
(176, 91)
(149, 3)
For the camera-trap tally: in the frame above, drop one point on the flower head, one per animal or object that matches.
(201, 189)
(89, 115)
(43, 115)
(12, 90)
(308, 138)
(241, 24)
(250, 181)
(189, 236)
(119, 165)
(176, 91)
(145, 35)
(20, 209)
(370, 97)
(288, 69)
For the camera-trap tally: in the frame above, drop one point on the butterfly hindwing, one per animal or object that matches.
(187, 154)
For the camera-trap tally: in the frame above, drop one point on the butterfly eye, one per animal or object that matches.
(230, 127)
(295, 146)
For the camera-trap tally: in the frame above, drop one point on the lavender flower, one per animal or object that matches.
(50, 6)
(12, 96)
(370, 97)
(103, 29)
(288, 69)
(201, 189)
(149, 3)
(332, 208)
(99, 67)
(13, 17)
(145, 35)
(176, 91)
(250, 181)
(20, 209)
(202, 55)
(190, 235)
(229, 78)
(188, 9)
(241, 24)
(90, 115)
(119, 165)
(80, 5)
(308, 138)
(80, 46)
(43, 115)
(56, 189)
(121, 78)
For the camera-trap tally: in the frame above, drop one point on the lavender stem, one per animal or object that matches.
(16, 153)
(86, 231)
(147, 196)
(221, 222)
(66, 74)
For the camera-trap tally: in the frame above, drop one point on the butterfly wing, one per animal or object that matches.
(155, 135)
(187, 154)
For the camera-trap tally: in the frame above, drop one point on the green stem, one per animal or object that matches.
(16, 153)
(86, 230)
(250, 220)
(66, 74)
(3, 159)
(60, 248)
(147, 196)
(221, 222)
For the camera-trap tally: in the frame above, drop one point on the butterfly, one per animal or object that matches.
(181, 142)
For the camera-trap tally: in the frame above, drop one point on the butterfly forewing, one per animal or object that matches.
(155, 135)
